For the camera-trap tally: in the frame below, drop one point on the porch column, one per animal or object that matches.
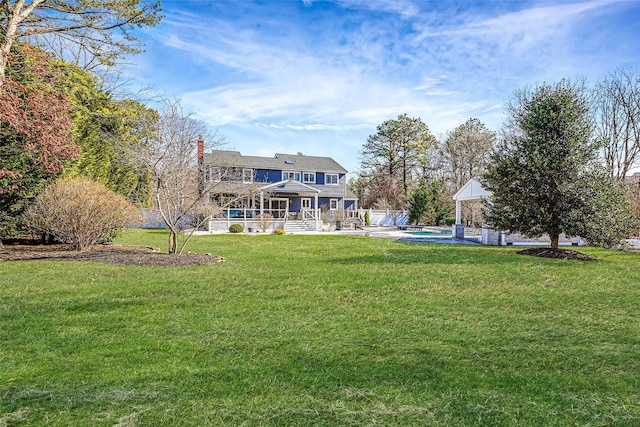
(261, 202)
(317, 215)
(458, 211)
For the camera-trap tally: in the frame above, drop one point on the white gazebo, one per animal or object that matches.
(471, 191)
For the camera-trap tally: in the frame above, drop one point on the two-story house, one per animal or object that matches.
(293, 190)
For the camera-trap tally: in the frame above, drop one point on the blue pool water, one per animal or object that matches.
(437, 236)
(448, 240)
(431, 233)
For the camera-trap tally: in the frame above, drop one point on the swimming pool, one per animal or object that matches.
(431, 233)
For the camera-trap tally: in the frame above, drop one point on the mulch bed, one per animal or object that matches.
(557, 253)
(107, 254)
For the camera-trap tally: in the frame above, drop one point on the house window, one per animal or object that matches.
(306, 203)
(214, 174)
(333, 204)
(331, 179)
(290, 175)
(247, 176)
(309, 177)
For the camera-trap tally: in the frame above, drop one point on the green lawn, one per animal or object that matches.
(323, 330)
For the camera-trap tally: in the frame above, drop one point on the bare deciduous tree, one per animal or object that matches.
(170, 154)
(616, 111)
(102, 30)
(465, 151)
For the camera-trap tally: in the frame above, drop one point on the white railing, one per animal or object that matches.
(313, 217)
(251, 219)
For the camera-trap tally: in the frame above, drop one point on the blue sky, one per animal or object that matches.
(318, 77)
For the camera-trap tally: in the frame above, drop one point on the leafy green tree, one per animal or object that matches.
(430, 204)
(20, 188)
(443, 205)
(545, 176)
(106, 130)
(420, 205)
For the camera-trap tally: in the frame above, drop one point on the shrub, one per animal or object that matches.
(235, 228)
(81, 212)
(367, 219)
(450, 221)
(279, 231)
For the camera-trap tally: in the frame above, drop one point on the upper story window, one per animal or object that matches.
(247, 176)
(213, 174)
(331, 179)
(290, 175)
(229, 174)
(309, 177)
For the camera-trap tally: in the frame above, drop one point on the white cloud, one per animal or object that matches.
(323, 76)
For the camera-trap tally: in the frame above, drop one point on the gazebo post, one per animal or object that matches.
(458, 228)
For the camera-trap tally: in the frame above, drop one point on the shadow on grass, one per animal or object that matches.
(450, 254)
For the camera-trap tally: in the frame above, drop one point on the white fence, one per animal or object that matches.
(386, 217)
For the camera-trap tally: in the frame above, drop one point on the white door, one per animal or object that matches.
(278, 207)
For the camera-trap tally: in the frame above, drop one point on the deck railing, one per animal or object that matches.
(252, 220)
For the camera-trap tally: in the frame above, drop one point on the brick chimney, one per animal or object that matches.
(200, 148)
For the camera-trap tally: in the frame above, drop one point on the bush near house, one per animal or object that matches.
(279, 231)
(235, 228)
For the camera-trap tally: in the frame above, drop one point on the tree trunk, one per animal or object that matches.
(173, 241)
(13, 18)
(554, 240)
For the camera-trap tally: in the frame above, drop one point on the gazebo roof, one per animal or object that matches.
(472, 190)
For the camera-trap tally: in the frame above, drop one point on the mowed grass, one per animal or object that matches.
(323, 330)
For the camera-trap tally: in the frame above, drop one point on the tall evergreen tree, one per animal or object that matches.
(545, 176)
(392, 154)
(106, 129)
(430, 204)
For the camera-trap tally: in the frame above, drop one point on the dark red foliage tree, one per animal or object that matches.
(35, 126)
(33, 106)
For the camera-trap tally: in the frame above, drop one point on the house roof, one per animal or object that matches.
(290, 186)
(632, 179)
(350, 196)
(285, 162)
(472, 190)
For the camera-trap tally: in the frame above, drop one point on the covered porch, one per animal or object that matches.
(286, 204)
